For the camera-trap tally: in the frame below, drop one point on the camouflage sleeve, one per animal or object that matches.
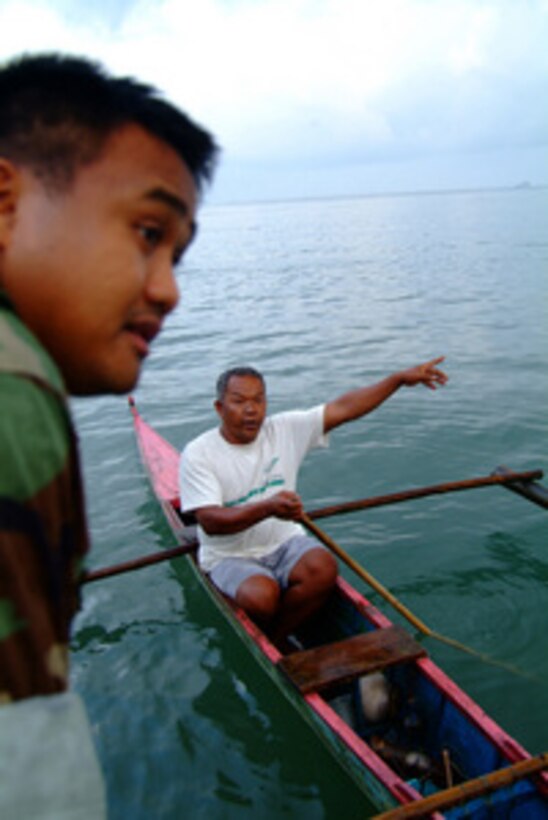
(42, 538)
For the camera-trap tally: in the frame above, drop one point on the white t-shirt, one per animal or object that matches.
(214, 472)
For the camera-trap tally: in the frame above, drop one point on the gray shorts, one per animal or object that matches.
(229, 573)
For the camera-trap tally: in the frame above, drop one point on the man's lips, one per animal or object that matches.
(143, 329)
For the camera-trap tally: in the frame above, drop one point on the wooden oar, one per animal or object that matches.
(505, 477)
(397, 604)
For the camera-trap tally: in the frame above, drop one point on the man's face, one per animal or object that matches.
(90, 269)
(242, 409)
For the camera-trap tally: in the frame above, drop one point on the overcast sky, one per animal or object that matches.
(328, 97)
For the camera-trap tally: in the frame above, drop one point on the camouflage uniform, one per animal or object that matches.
(43, 534)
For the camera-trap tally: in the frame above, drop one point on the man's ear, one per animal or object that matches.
(10, 186)
(218, 405)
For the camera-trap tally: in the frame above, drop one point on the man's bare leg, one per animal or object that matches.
(310, 583)
(259, 596)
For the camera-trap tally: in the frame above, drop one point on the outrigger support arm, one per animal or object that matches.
(522, 483)
(139, 563)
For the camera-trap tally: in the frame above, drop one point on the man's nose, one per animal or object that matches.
(162, 288)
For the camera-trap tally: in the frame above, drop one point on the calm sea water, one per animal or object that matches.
(323, 296)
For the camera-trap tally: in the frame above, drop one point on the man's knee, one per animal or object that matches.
(326, 569)
(317, 567)
(259, 596)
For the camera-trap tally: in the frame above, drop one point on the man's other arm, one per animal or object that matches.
(360, 402)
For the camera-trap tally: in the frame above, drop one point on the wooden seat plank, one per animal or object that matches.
(316, 669)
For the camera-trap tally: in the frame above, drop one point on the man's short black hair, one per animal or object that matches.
(56, 112)
(224, 378)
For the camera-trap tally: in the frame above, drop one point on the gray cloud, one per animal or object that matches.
(312, 93)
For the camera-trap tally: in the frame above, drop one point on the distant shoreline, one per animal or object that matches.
(520, 187)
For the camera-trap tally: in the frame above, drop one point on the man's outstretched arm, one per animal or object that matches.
(358, 403)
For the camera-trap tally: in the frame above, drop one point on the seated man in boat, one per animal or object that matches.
(240, 481)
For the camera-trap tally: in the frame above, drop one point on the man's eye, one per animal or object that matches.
(177, 257)
(152, 234)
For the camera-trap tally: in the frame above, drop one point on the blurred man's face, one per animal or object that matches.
(91, 269)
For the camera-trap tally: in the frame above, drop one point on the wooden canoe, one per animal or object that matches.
(434, 752)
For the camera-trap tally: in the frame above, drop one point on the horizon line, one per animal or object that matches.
(518, 187)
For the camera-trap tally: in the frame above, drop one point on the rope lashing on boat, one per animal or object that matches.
(401, 608)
